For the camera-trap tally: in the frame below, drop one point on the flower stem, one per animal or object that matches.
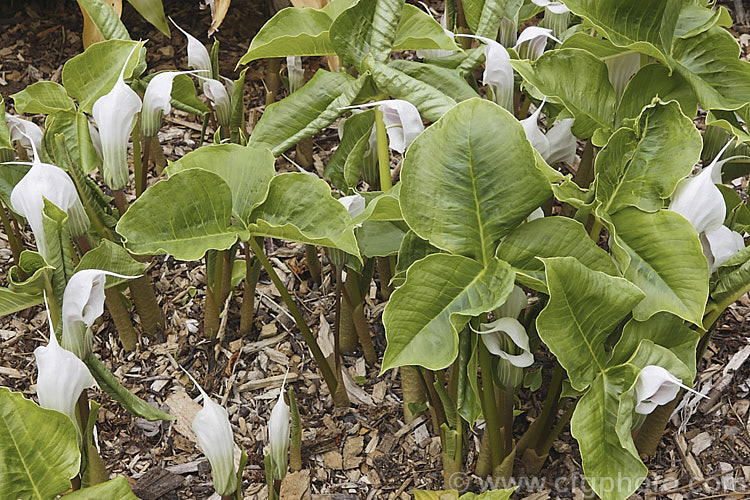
(489, 406)
(325, 368)
(141, 187)
(121, 319)
(384, 159)
(139, 168)
(15, 246)
(313, 262)
(247, 310)
(120, 202)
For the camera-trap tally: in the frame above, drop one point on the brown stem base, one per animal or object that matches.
(412, 389)
(121, 319)
(144, 297)
(647, 438)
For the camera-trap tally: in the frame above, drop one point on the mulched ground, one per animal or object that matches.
(365, 451)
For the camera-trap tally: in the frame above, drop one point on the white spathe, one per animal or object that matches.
(498, 73)
(699, 200)
(555, 7)
(114, 114)
(83, 303)
(220, 99)
(532, 41)
(354, 204)
(278, 436)
(216, 439)
(25, 132)
(157, 101)
(197, 54)
(62, 378)
(558, 144)
(656, 386)
(494, 335)
(295, 72)
(46, 181)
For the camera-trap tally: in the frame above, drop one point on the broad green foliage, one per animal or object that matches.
(73, 126)
(601, 425)
(300, 207)
(650, 81)
(585, 90)
(109, 256)
(90, 75)
(485, 184)
(43, 97)
(106, 20)
(197, 217)
(584, 307)
(660, 253)
(440, 295)
(38, 449)
(551, 237)
(114, 489)
(246, 170)
(367, 28)
(663, 139)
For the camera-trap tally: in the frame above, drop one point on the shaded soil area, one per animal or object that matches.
(365, 451)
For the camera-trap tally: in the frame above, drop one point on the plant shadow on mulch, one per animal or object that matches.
(362, 452)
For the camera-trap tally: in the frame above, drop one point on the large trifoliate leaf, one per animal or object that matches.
(654, 80)
(90, 75)
(577, 79)
(431, 102)
(246, 170)
(584, 307)
(304, 113)
(440, 295)
(43, 97)
(551, 237)
(184, 216)
(663, 140)
(601, 424)
(299, 207)
(710, 63)
(464, 198)
(660, 253)
(663, 329)
(367, 28)
(38, 449)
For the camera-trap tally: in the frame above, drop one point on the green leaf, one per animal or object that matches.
(663, 139)
(583, 309)
(292, 32)
(6, 148)
(367, 28)
(58, 253)
(305, 112)
(660, 253)
(440, 295)
(649, 353)
(74, 127)
(37, 271)
(468, 399)
(299, 207)
(380, 238)
(731, 121)
(431, 102)
(710, 63)
(184, 216)
(655, 80)
(584, 89)
(106, 19)
(483, 16)
(38, 449)
(153, 12)
(486, 183)
(237, 117)
(381, 206)
(357, 127)
(418, 30)
(412, 249)
(733, 281)
(663, 329)
(43, 97)
(636, 24)
(110, 256)
(447, 81)
(109, 384)
(11, 301)
(246, 170)
(185, 97)
(90, 75)
(601, 425)
(551, 237)
(114, 489)
(10, 175)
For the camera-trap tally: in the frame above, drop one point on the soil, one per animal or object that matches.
(365, 451)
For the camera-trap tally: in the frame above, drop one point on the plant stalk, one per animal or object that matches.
(120, 202)
(139, 168)
(325, 368)
(384, 158)
(140, 187)
(121, 319)
(247, 310)
(313, 262)
(649, 435)
(489, 406)
(15, 246)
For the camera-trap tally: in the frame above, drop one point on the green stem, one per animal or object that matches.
(211, 312)
(121, 319)
(313, 262)
(341, 397)
(384, 159)
(226, 273)
(596, 229)
(544, 447)
(385, 275)
(506, 410)
(139, 168)
(120, 202)
(140, 187)
(147, 305)
(247, 310)
(534, 433)
(524, 109)
(585, 173)
(354, 301)
(325, 368)
(489, 406)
